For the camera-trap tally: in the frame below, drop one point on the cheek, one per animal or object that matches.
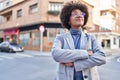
(71, 21)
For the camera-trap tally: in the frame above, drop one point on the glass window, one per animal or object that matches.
(24, 39)
(7, 3)
(8, 18)
(1, 6)
(36, 39)
(52, 33)
(19, 13)
(114, 40)
(103, 13)
(34, 8)
(55, 6)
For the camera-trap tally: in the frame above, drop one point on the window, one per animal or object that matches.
(19, 13)
(103, 13)
(114, 40)
(36, 39)
(55, 6)
(33, 8)
(1, 6)
(24, 39)
(103, 28)
(52, 34)
(7, 3)
(8, 18)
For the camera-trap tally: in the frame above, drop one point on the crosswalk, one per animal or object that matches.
(7, 56)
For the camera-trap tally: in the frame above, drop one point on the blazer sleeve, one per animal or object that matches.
(98, 58)
(66, 55)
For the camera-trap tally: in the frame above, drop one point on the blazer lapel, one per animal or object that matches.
(70, 41)
(83, 41)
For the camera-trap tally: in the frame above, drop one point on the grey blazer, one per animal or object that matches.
(63, 51)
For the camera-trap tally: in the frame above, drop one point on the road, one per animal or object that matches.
(24, 66)
(27, 66)
(111, 70)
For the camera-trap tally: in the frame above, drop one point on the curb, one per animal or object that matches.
(38, 53)
(110, 52)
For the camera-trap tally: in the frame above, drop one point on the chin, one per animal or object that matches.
(79, 25)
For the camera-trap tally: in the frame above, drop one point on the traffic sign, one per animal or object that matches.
(41, 28)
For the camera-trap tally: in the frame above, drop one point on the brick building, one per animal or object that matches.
(22, 21)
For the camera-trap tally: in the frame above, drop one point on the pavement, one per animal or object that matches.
(112, 52)
(38, 53)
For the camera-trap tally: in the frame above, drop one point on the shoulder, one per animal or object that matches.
(61, 36)
(90, 36)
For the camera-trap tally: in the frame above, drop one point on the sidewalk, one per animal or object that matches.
(112, 52)
(38, 53)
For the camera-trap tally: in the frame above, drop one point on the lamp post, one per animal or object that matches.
(42, 29)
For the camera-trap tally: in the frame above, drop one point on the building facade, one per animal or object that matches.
(3, 4)
(23, 20)
(107, 27)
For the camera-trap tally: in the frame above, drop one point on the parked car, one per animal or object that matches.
(10, 47)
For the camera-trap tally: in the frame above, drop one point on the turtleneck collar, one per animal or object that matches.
(75, 31)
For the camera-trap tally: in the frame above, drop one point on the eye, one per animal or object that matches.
(83, 14)
(75, 14)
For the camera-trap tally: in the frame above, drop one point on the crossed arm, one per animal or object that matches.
(69, 64)
(79, 58)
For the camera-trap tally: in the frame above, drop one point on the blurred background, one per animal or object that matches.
(35, 23)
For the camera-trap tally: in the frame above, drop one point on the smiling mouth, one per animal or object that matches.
(78, 20)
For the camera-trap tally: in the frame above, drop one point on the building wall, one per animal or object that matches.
(16, 1)
(28, 19)
(90, 10)
(5, 4)
(106, 25)
(118, 15)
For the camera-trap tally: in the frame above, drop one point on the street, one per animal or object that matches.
(111, 70)
(34, 66)
(24, 66)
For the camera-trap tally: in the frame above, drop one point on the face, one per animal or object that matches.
(76, 19)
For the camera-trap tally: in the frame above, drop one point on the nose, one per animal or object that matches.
(79, 16)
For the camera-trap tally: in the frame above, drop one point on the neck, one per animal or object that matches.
(76, 27)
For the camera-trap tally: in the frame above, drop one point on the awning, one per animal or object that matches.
(9, 32)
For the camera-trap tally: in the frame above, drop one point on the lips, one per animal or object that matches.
(79, 20)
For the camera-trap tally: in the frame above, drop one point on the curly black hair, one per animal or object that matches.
(67, 10)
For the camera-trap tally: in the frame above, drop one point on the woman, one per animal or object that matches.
(76, 52)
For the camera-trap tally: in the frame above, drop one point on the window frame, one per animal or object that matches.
(33, 7)
(19, 15)
(55, 6)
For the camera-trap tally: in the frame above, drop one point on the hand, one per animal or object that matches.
(69, 64)
(89, 52)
